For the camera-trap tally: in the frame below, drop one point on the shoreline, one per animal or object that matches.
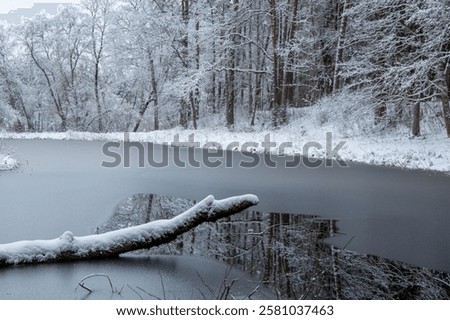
(428, 154)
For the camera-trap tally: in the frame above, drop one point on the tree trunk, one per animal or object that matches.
(98, 12)
(445, 98)
(279, 112)
(416, 120)
(290, 30)
(268, 256)
(230, 94)
(212, 95)
(184, 106)
(446, 112)
(112, 244)
(337, 81)
(154, 94)
(250, 76)
(335, 264)
(183, 113)
(257, 101)
(97, 95)
(53, 94)
(230, 73)
(380, 113)
(195, 96)
(141, 114)
(193, 109)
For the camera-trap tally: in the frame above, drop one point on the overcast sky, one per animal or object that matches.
(8, 5)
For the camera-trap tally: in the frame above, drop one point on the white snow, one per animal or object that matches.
(229, 202)
(7, 162)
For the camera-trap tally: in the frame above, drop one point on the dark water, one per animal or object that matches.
(286, 252)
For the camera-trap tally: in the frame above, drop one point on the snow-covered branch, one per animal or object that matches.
(111, 244)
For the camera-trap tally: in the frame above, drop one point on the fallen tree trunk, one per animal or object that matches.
(111, 244)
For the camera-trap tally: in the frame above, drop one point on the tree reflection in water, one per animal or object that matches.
(287, 252)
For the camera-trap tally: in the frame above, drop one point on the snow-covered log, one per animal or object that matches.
(111, 244)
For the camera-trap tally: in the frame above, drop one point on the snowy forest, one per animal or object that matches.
(144, 65)
(369, 78)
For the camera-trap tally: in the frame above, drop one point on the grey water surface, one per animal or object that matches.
(398, 214)
(132, 277)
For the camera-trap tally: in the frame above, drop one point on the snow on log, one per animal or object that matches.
(111, 244)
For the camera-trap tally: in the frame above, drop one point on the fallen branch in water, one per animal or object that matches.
(83, 285)
(111, 244)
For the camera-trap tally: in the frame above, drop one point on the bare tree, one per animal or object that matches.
(12, 87)
(37, 40)
(337, 81)
(100, 11)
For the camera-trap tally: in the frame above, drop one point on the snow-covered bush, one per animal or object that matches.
(7, 116)
(350, 113)
(7, 162)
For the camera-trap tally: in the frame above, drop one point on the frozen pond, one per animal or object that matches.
(402, 215)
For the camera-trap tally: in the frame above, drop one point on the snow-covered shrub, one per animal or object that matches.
(7, 117)
(7, 162)
(351, 113)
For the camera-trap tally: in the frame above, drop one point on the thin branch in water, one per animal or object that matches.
(252, 293)
(348, 242)
(151, 295)
(201, 292)
(225, 293)
(120, 291)
(81, 283)
(84, 287)
(206, 285)
(162, 285)
(135, 292)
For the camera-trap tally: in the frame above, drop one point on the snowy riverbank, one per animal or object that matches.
(430, 152)
(354, 136)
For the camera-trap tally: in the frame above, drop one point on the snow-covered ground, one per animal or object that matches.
(428, 153)
(7, 162)
(351, 126)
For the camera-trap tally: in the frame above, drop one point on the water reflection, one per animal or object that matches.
(286, 252)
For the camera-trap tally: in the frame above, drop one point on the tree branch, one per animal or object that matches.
(111, 244)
